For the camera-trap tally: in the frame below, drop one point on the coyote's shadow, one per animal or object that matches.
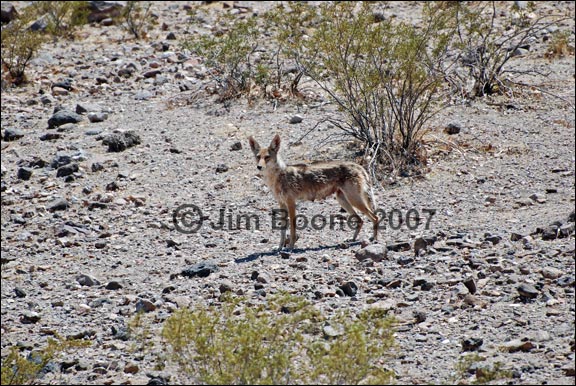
(256, 255)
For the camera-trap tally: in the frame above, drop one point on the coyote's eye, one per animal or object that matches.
(266, 158)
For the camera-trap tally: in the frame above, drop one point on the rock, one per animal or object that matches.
(515, 236)
(8, 12)
(171, 36)
(452, 128)
(550, 232)
(30, 317)
(419, 316)
(100, 10)
(87, 107)
(405, 260)
(471, 344)
(97, 117)
(11, 134)
(494, 239)
(65, 84)
(551, 273)
(350, 288)
(420, 244)
(131, 368)
(200, 270)
(67, 170)
(527, 291)
(376, 252)
(571, 217)
(143, 95)
(225, 286)
(113, 285)
(24, 174)
(565, 231)
(19, 292)
(49, 137)
(539, 198)
(118, 142)
(400, 246)
(87, 280)
(296, 119)
(517, 345)
(221, 168)
(470, 285)
(57, 204)
(566, 281)
(424, 283)
(62, 117)
(96, 167)
(236, 146)
(144, 305)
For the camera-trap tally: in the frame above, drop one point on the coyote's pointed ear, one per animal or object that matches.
(254, 145)
(275, 144)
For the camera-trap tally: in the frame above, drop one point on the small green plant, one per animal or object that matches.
(136, 17)
(63, 17)
(19, 370)
(19, 46)
(276, 343)
(468, 364)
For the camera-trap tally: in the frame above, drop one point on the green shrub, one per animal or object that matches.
(19, 46)
(276, 343)
(18, 370)
(387, 77)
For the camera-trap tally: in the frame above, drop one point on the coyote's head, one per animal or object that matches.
(267, 157)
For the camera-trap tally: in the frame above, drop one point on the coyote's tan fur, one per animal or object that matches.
(315, 181)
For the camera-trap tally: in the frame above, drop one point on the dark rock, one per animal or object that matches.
(118, 142)
(96, 167)
(57, 204)
(100, 10)
(296, 119)
(19, 292)
(62, 117)
(30, 317)
(152, 73)
(113, 285)
(375, 252)
(200, 270)
(97, 116)
(65, 84)
(221, 168)
(566, 281)
(565, 231)
(225, 286)
(471, 344)
(8, 13)
(452, 128)
(49, 137)
(144, 305)
(236, 146)
(527, 291)
(171, 36)
(350, 288)
(24, 174)
(67, 170)
(405, 260)
(470, 284)
(419, 316)
(423, 283)
(12, 134)
(550, 232)
(399, 246)
(571, 217)
(494, 239)
(87, 280)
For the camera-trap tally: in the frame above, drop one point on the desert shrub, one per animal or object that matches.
(255, 57)
(62, 17)
(468, 365)
(386, 77)
(136, 17)
(20, 370)
(276, 343)
(487, 41)
(19, 46)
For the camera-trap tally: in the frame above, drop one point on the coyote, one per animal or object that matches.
(315, 181)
